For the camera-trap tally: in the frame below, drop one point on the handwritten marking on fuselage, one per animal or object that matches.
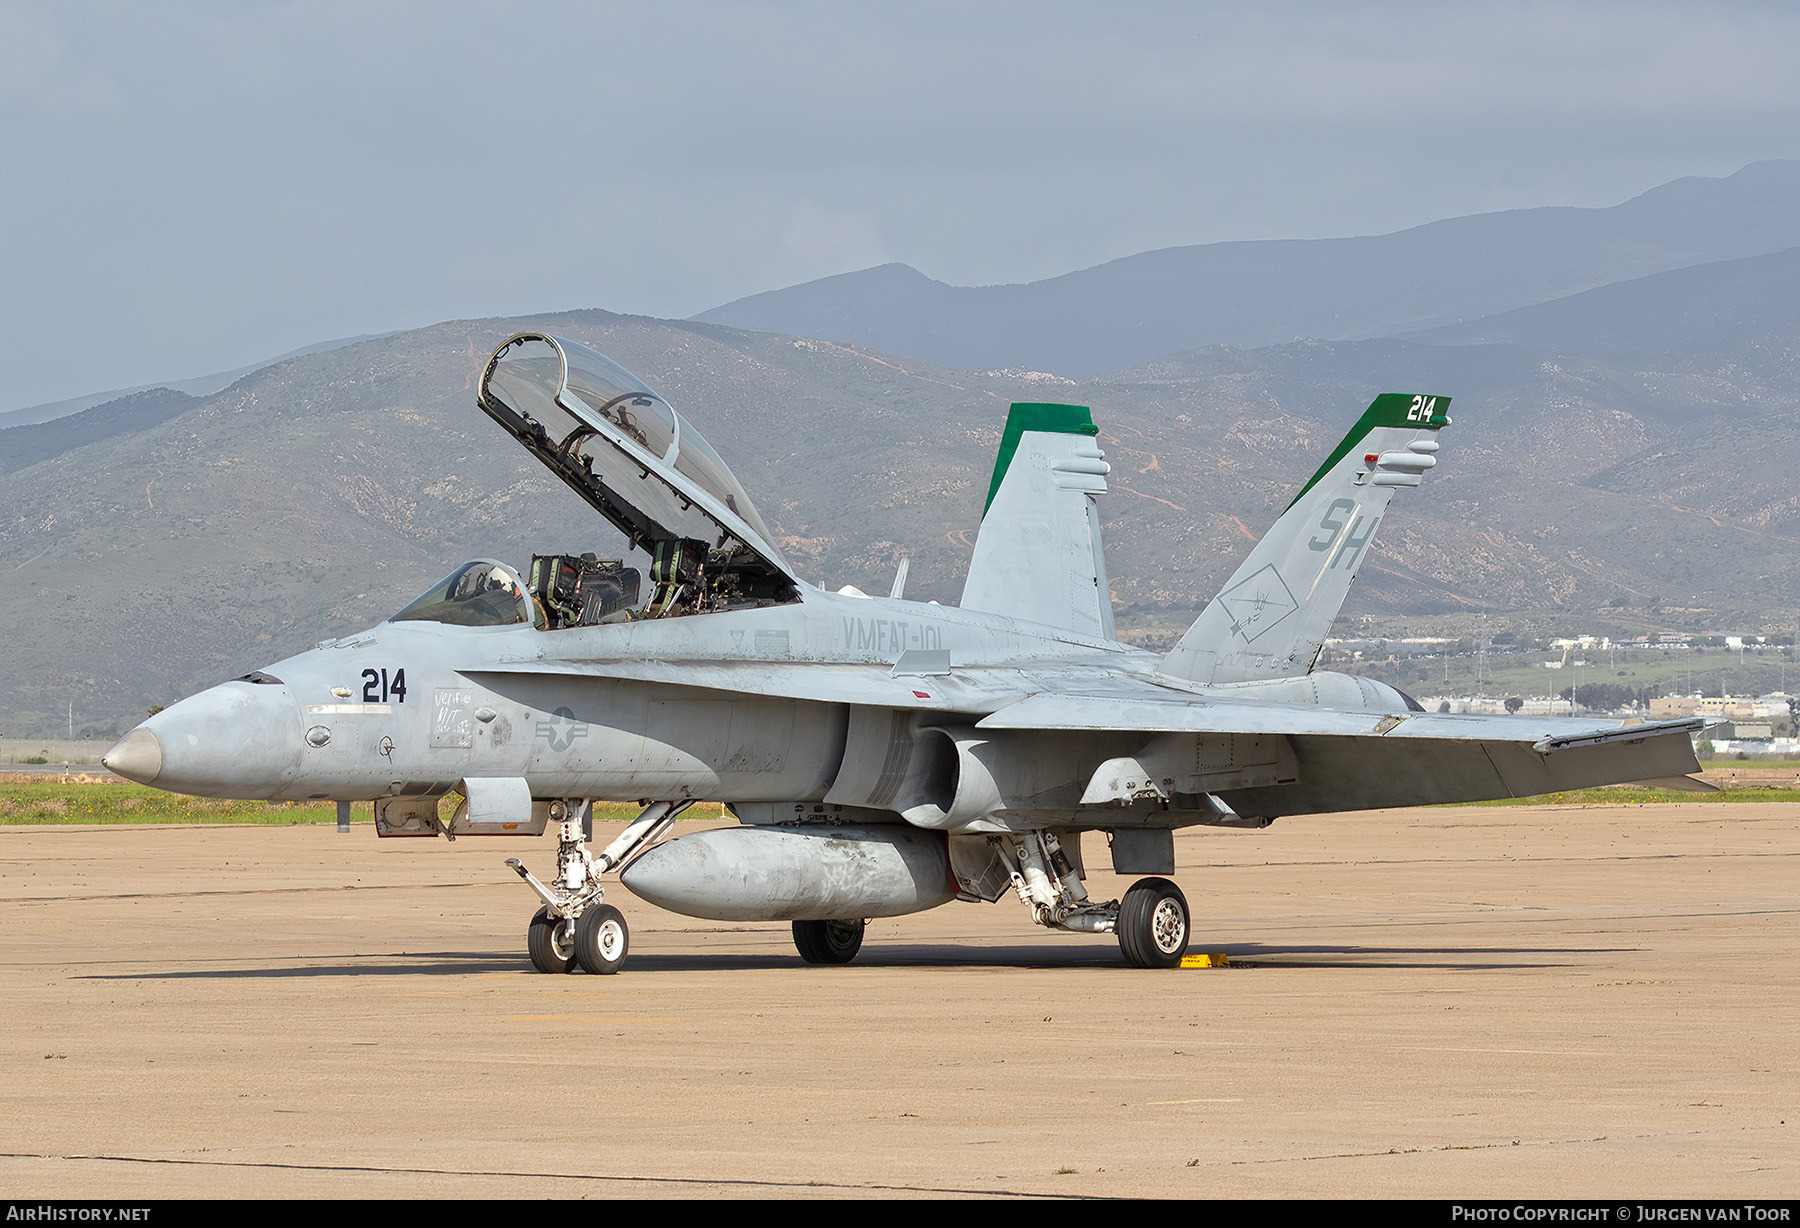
(889, 634)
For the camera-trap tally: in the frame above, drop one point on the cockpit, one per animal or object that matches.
(620, 446)
(479, 594)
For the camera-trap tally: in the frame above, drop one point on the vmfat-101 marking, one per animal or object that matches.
(890, 634)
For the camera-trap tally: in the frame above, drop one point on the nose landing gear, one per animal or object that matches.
(574, 929)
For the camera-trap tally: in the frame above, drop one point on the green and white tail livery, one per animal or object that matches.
(1038, 555)
(1272, 616)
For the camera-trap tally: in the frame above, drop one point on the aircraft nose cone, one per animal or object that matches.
(136, 756)
(235, 740)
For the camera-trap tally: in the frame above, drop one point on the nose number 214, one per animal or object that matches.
(378, 688)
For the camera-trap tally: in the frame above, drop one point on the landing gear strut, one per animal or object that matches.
(574, 929)
(1151, 922)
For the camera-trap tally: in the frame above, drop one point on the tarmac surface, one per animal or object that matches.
(1497, 1003)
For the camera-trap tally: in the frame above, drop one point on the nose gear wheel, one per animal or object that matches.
(574, 929)
(551, 942)
(601, 940)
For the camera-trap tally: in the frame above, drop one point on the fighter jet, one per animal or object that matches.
(880, 756)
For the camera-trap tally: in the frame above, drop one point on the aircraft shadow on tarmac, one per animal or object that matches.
(1459, 958)
(978, 955)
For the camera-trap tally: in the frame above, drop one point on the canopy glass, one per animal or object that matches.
(619, 445)
(479, 594)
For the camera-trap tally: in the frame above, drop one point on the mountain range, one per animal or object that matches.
(1621, 455)
(1252, 294)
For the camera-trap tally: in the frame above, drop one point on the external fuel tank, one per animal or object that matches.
(807, 873)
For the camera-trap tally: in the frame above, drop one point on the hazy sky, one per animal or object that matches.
(192, 186)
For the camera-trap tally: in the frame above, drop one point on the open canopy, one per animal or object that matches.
(619, 445)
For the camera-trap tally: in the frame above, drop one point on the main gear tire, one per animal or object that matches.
(1153, 924)
(828, 942)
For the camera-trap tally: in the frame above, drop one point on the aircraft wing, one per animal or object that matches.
(1201, 715)
(1023, 698)
(1267, 758)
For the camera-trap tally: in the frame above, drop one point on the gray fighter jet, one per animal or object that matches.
(881, 756)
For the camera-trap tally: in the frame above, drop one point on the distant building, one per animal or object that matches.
(1720, 708)
(1774, 748)
(1744, 731)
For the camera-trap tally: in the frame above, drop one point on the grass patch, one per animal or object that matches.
(52, 801)
(55, 802)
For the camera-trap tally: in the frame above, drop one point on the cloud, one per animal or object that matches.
(206, 183)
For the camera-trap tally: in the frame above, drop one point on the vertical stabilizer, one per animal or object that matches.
(1038, 554)
(1272, 616)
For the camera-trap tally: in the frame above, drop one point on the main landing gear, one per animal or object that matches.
(1151, 922)
(574, 929)
(828, 942)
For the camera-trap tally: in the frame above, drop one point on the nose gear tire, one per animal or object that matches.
(601, 940)
(550, 942)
